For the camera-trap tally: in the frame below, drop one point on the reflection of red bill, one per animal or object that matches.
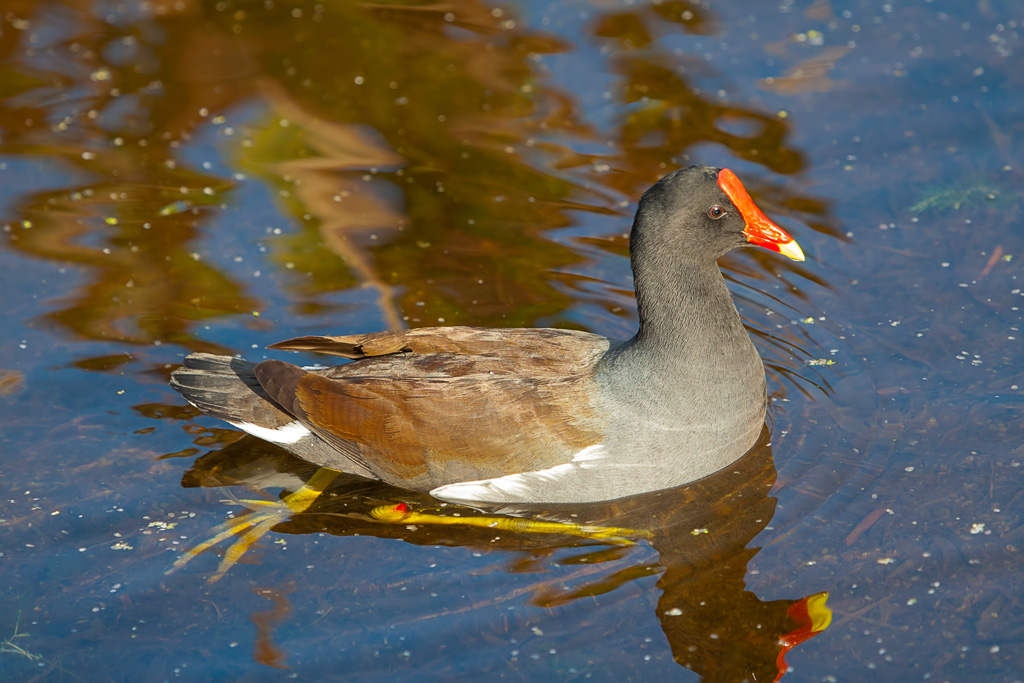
(760, 230)
(812, 616)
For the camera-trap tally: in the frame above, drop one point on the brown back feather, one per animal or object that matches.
(422, 421)
(472, 341)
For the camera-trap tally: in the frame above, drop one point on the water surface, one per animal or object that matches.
(217, 176)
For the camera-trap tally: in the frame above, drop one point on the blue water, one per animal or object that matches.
(884, 136)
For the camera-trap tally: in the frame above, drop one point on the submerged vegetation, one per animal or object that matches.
(953, 197)
(8, 646)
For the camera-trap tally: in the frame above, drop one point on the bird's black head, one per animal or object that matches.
(698, 214)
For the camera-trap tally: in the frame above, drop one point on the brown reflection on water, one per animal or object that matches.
(810, 75)
(146, 285)
(702, 533)
(412, 148)
(10, 382)
(450, 146)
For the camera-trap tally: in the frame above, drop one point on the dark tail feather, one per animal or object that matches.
(225, 388)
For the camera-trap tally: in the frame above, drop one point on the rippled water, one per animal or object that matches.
(217, 176)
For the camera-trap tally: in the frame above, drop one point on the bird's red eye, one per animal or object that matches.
(716, 211)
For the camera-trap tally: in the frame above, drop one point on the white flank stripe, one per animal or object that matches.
(515, 485)
(595, 452)
(289, 433)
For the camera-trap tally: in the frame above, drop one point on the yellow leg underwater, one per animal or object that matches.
(400, 514)
(264, 516)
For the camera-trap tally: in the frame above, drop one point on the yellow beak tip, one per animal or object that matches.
(792, 250)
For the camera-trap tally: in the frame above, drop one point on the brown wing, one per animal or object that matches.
(509, 343)
(422, 421)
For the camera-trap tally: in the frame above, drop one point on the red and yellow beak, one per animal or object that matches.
(759, 230)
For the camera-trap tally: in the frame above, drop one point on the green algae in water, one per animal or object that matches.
(953, 197)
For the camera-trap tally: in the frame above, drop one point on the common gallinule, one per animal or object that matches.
(536, 415)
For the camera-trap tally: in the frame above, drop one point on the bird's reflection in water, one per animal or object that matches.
(701, 531)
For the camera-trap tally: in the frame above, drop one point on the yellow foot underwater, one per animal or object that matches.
(400, 514)
(264, 515)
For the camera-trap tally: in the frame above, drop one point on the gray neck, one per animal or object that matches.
(691, 345)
